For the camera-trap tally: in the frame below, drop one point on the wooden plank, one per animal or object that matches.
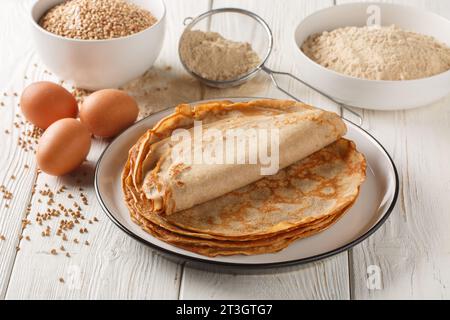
(14, 178)
(323, 280)
(15, 50)
(111, 265)
(327, 279)
(412, 250)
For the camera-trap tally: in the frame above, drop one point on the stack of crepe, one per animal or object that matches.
(231, 209)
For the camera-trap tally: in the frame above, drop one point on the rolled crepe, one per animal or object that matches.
(169, 184)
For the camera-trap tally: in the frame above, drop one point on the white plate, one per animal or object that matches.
(376, 201)
(378, 95)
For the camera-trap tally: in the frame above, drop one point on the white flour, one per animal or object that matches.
(379, 53)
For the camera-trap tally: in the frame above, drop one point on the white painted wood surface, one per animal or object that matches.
(412, 250)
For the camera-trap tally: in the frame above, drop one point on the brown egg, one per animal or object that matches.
(63, 147)
(45, 102)
(108, 112)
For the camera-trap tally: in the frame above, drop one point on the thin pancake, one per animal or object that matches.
(271, 246)
(167, 184)
(339, 167)
(231, 244)
(315, 187)
(262, 217)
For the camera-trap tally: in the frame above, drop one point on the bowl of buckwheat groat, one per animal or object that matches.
(98, 44)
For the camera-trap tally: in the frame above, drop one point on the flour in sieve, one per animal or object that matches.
(213, 57)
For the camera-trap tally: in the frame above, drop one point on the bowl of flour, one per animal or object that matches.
(376, 55)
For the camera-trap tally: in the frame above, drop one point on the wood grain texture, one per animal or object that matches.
(111, 265)
(323, 280)
(413, 248)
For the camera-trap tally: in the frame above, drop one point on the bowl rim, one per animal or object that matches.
(38, 27)
(369, 81)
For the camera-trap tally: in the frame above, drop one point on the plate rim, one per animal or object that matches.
(248, 266)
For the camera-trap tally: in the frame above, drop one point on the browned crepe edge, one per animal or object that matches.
(230, 243)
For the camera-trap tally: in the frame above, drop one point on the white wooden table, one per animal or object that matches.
(412, 250)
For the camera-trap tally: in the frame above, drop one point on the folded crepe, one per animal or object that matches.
(171, 185)
(231, 209)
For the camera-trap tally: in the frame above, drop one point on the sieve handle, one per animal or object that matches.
(272, 74)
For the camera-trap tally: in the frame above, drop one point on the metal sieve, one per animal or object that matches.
(246, 26)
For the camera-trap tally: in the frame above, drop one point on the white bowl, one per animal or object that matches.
(99, 64)
(377, 95)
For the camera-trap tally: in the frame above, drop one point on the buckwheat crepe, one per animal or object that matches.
(215, 248)
(170, 185)
(263, 215)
